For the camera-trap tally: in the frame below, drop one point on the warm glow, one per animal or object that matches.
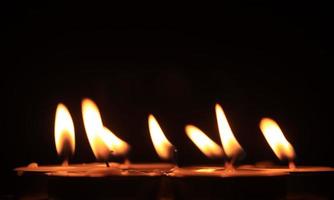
(102, 141)
(206, 170)
(64, 132)
(161, 144)
(230, 144)
(275, 137)
(203, 142)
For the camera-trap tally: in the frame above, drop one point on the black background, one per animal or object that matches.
(256, 59)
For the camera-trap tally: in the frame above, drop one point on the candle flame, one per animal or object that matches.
(161, 144)
(203, 142)
(276, 139)
(64, 132)
(118, 146)
(102, 141)
(230, 144)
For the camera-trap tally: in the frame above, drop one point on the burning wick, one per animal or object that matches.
(162, 145)
(228, 166)
(65, 163)
(277, 141)
(231, 146)
(107, 160)
(175, 157)
(102, 141)
(292, 165)
(64, 133)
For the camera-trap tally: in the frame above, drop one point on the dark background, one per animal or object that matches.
(256, 59)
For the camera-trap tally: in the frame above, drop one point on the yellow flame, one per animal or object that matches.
(118, 146)
(203, 142)
(276, 139)
(64, 130)
(161, 144)
(230, 144)
(102, 141)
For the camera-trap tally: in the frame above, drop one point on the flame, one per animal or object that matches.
(230, 144)
(64, 131)
(161, 144)
(203, 142)
(116, 145)
(275, 137)
(102, 141)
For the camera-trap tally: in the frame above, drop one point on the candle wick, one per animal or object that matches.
(229, 167)
(65, 163)
(107, 164)
(127, 162)
(174, 153)
(292, 165)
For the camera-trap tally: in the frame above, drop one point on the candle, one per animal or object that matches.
(103, 142)
(64, 135)
(32, 181)
(309, 180)
(230, 144)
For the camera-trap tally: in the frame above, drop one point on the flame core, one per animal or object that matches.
(203, 142)
(230, 144)
(161, 144)
(276, 139)
(64, 132)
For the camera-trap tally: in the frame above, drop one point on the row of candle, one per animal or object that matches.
(104, 143)
(110, 178)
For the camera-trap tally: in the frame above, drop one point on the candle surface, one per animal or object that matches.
(289, 170)
(96, 169)
(222, 172)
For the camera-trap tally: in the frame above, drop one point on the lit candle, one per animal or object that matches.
(103, 142)
(230, 144)
(163, 147)
(64, 135)
(303, 179)
(32, 180)
(283, 149)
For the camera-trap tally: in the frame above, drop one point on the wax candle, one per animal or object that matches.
(303, 180)
(31, 180)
